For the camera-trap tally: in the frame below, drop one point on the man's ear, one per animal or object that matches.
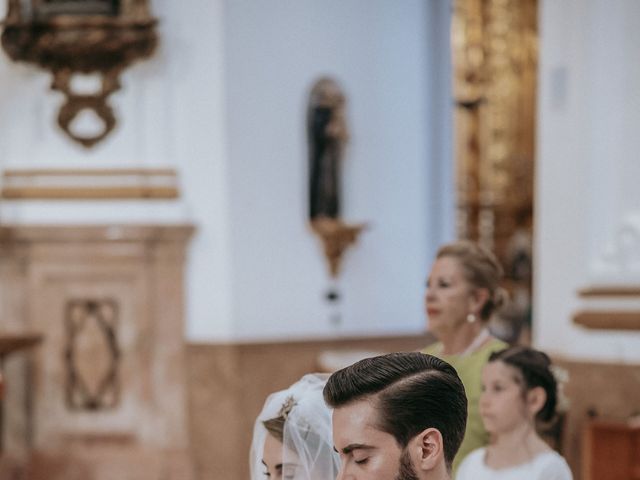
(428, 449)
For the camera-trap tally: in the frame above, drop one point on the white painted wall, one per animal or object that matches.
(223, 101)
(587, 171)
(381, 56)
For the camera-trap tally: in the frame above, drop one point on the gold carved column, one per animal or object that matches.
(494, 44)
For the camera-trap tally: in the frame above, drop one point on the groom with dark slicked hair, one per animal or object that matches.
(400, 416)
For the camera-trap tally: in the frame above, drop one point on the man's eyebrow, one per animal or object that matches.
(355, 446)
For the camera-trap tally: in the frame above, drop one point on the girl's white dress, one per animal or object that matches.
(545, 466)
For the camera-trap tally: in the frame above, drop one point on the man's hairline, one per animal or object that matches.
(376, 404)
(363, 396)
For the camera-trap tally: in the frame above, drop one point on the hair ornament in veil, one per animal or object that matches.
(289, 403)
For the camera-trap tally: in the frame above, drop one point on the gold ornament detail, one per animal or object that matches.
(336, 237)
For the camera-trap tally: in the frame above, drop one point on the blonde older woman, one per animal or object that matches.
(462, 293)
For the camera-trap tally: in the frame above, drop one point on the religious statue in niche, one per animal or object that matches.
(327, 136)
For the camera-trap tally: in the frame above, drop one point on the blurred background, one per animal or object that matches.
(159, 274)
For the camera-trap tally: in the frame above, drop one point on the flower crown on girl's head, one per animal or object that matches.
(562, 377)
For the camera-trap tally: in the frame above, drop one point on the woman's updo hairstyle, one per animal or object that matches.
(534, 369)
(481, 269)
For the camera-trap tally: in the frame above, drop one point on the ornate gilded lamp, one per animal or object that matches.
(70, 37)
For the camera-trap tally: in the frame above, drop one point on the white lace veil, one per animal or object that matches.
(307, 431)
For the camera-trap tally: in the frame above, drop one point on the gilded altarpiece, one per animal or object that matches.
(494, 45)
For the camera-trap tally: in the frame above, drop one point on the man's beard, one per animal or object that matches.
(406, 470)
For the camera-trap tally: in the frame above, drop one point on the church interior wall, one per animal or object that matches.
(586, 203)
(170, 112)
(382, 60)
(233, 76)
(233, 79)
(228, 383)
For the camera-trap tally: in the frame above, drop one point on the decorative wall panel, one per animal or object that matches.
(108, 380)
(92, 354)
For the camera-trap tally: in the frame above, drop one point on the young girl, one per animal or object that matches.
(518, 389)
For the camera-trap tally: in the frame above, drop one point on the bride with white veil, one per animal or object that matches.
(292, 438)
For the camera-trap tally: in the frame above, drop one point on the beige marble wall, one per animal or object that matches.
(612, 391)
(228, 384)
